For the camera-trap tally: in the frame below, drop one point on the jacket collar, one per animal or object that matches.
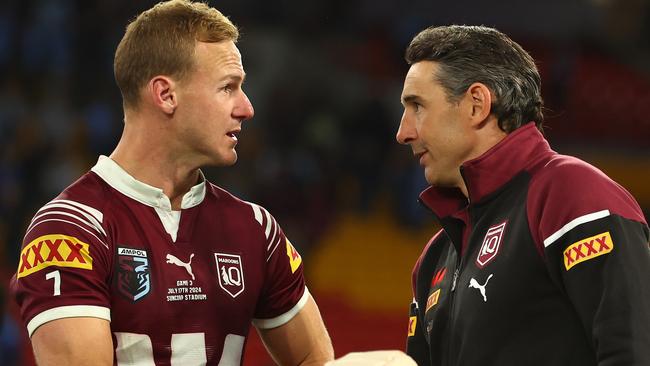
(489, 172)
(123, 182)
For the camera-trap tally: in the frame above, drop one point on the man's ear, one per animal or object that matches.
(480, 102)
(162, 93)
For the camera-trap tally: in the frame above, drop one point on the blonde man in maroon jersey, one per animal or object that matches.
(142, 261)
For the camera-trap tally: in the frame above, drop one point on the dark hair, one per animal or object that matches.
(469, 54)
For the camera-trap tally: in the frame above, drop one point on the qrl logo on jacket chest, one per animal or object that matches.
(491, 244)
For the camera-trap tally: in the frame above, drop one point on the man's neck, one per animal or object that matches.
(149, 159)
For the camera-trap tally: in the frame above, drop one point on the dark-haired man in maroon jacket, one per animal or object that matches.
(542, 259)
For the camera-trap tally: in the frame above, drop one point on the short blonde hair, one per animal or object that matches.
(161, 41)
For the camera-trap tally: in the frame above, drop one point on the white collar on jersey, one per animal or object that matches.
(118, 178)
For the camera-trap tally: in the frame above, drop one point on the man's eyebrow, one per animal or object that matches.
(410, 98)
(235, 77)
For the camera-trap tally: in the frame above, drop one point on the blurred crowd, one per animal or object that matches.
(325, 79)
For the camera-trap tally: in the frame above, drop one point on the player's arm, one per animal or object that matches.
(287, 317)
(375, 358)
(303, 340)
(73, 341)
(595, 244)
(603, 268)
(61, 285)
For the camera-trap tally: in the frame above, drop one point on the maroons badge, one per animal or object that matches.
(230, 273)
(491, 244)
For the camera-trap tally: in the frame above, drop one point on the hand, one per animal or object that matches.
(374, 358)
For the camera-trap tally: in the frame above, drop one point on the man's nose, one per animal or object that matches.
(244, 109)
(406, 131)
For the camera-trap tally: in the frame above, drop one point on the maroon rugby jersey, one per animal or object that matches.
(179, 287)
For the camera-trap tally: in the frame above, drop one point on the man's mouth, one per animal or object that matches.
(233, 134)
(420, 156)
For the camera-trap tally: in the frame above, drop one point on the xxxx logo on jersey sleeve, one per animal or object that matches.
(587, 249)
(54, 250)
(294, 258)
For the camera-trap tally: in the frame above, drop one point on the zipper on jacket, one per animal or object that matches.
(452, 303)
(453, 283)
(460, 262)
(460, 258)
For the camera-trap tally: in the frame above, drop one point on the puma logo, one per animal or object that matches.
(188, 266)
(474, 284)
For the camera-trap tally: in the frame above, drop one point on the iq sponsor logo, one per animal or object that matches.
(587, 249)
(54, 250)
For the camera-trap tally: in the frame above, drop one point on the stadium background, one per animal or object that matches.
(325, 79)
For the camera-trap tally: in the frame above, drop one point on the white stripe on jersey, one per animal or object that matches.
(233, 346)
(54, 213)
(70, 311)
(68, 222)
(98, 214)
(257, 211)
(260, 215)
(274, 248)
(95, 218)
(275, 231)
(269, 221)
(188, 349)
(133, 349)
(283, 318)
(573, 223)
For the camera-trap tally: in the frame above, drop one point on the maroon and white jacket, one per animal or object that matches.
(546, 263)
(179, 287)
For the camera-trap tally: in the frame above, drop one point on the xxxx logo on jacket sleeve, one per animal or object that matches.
(587, 249)
(54, 250)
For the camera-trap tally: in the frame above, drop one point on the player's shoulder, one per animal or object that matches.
(230, 202)
(79, 208)
(89, 189)
(558, 170)
(88, 193)
(251, 218)
(240, 209)
(565, 187)
(221, 195)
(563, 176)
